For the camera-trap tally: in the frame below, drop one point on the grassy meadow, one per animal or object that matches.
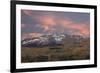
(67, 51)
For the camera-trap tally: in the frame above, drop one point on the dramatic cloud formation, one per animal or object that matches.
(55, 22)
(48, 22)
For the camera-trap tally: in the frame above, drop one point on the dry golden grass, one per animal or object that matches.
(68, 51)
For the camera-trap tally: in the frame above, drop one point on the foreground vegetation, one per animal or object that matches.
(68, 51)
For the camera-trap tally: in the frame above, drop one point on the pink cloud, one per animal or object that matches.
(82, 29)
(28, 12)
(48, 22)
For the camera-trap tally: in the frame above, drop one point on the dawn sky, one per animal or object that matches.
(34, 23)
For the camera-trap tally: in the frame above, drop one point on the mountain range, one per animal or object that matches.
(51, 40)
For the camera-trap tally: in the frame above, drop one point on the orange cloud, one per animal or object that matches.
(82, 29)
(30, 35)
(34, 34)
(65, 23)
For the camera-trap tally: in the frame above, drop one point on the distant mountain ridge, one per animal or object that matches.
(50, 40)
